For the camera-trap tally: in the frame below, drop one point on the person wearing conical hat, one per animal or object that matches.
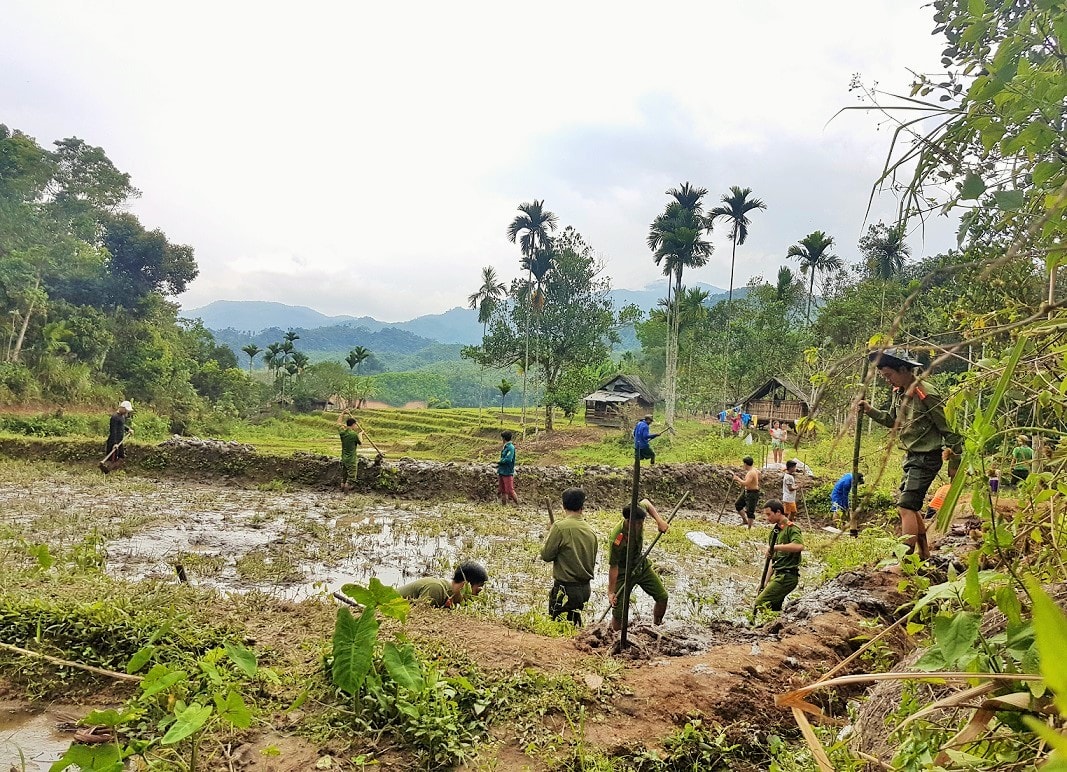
(917, 414)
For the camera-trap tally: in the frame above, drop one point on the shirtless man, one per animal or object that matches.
(747, 501)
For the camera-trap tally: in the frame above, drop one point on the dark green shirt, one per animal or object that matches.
(617, 548)
(1023, 455)
(920, 418)
(785, 561)
(571, 548)
(437, 591)
(349, 442)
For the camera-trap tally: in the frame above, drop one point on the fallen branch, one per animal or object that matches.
(68, 663)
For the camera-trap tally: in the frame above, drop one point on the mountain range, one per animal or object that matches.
(247, 318)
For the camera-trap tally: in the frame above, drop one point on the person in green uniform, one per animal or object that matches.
(1022, 457)
(571, 548)
(351, 436)
(917, 413)
(468, 580)
(783, 548)
(641, 573)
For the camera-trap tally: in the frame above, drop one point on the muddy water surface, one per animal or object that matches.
(33, 740)
(301, 544)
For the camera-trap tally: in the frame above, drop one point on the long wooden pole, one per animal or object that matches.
(854, 500)
(627, 581)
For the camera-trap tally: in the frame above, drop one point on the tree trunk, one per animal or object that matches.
(526, 361)
(26, 321)
(548, 418)
(811, 292)
(672, 353)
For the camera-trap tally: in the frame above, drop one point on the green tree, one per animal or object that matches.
(814, 254)
(503, 387)
(736, 206)
(357, 357)
(252, 350)
(677, 238)
(884, 250)
(531, 229)
(576, 326)
(485, 301)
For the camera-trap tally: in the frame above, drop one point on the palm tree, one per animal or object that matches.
(251, 349)
(485, 301)
(885, 250)
(735, 209)
(503, 387)
(677, 240)
(531, 230)
(356, 357)
(813, 251)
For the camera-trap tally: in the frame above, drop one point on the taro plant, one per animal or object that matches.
(172, 711)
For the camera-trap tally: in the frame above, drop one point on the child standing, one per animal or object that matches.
(505, 470)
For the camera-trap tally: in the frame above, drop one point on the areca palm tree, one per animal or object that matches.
(735, 208)
(813, 251)
(485, 301)
(356, 357)
(530, 229)
(251, 349)
(885, 250)
(677, 240)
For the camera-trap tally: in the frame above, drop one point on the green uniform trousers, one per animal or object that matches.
(781, 584)
(648, 580)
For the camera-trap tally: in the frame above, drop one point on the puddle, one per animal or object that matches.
(302, 544)
(31, 741)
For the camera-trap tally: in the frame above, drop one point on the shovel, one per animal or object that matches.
(106, 462)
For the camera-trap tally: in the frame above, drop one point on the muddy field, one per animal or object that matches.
(296, 545)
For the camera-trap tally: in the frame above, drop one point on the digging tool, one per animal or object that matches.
(766, 567)
(346, 600)
(725, 501)
(381, 456)
(551, 517)
(653, 544)
(105, 462)
(853, 511)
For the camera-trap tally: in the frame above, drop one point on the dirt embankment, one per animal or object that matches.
(712, 487)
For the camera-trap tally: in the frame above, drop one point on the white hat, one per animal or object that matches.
(126, 405)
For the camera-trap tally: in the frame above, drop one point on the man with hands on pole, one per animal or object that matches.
(351, 435)
(641, 574)
(783, 557)
(918, 415)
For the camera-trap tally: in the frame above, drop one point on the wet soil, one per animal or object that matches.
(297, 545)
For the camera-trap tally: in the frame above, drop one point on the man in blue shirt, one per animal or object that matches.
(642, 436)
(840, 494)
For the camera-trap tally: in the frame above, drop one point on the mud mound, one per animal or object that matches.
(869, 594)
(670, 640)
(223, 446)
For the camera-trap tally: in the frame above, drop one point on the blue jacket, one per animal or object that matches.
(642, 435)
(506, 466)
(842, 490)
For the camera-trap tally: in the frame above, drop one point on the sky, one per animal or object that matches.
(366, 159)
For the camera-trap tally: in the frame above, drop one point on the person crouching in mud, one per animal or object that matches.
(468, 581)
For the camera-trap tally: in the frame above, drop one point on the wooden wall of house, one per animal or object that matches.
(603, 414)
(786, 410)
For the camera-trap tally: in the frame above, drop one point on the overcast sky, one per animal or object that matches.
(367, 159)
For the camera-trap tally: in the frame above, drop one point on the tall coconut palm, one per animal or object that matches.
(251, 349)
(735, 208)
(485, 301)
(530, 229)
(678, 236)
(813, 251)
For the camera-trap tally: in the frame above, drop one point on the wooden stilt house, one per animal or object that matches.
(779, 399)
(608, 405)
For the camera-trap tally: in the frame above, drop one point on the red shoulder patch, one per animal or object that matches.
(619, 540)
(920, 393)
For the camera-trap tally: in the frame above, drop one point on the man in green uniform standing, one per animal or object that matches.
(441, 593)
(1022, 458)
(918, 415)
(571, 548)
(783, 548)
(641, 573)
(351, 436)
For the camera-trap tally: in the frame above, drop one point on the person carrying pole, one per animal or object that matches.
(641, 574)
(783, 552)
(918, 414)
(351, 435)
(571, 548)
(118, 428)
